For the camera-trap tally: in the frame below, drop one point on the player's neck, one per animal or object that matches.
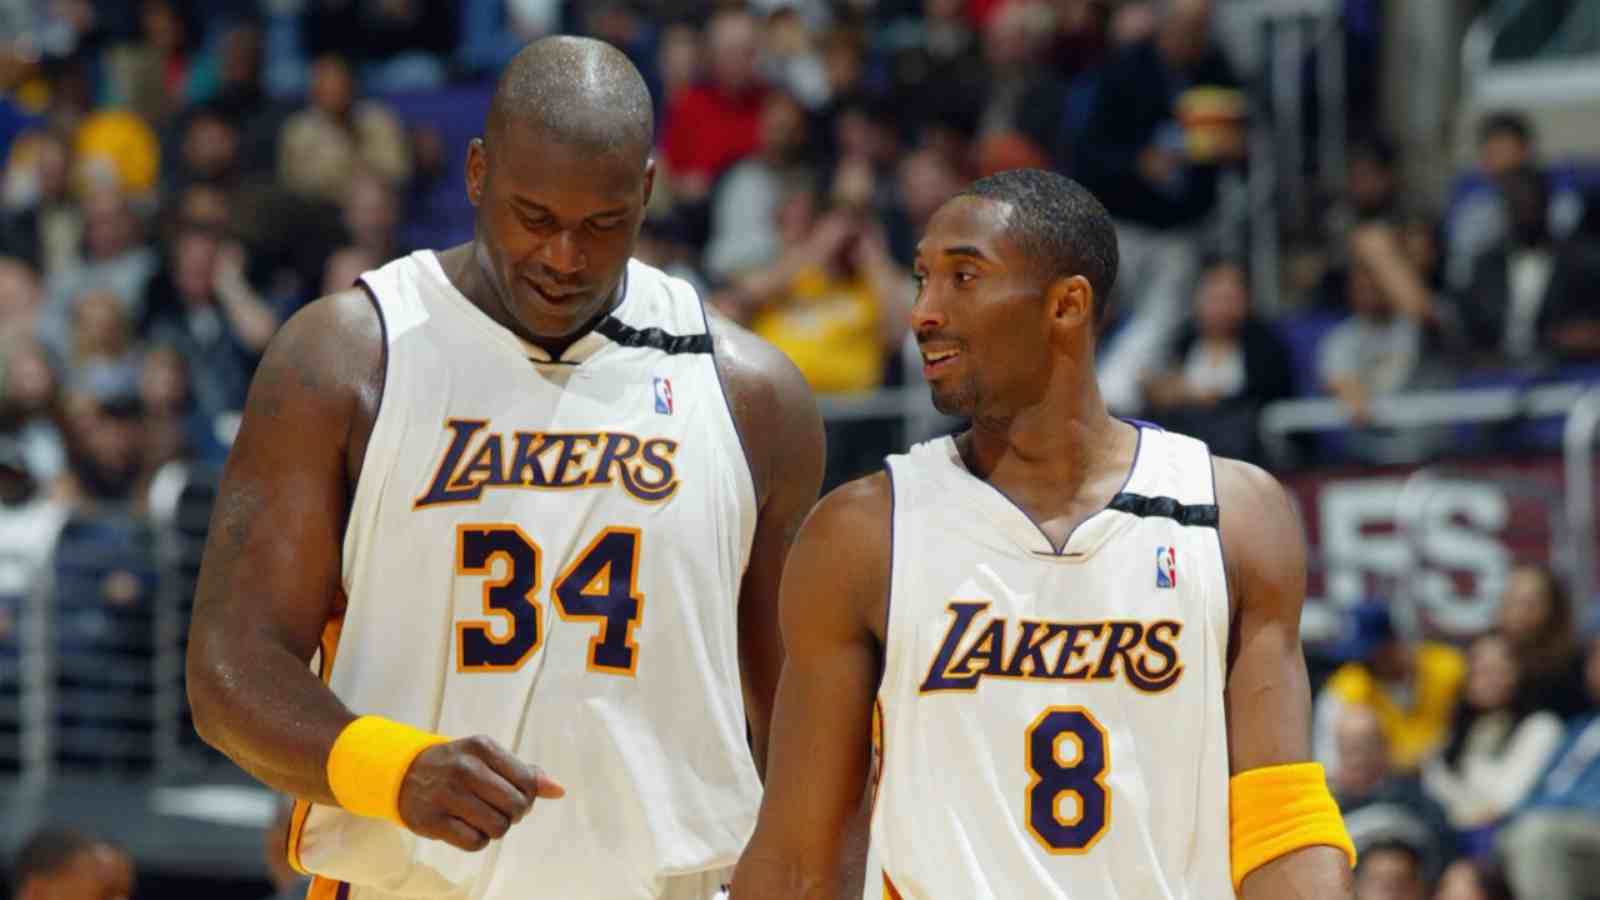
(461, 267)
(1065, 440)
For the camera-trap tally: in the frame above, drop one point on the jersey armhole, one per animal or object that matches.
(368, 474)
(733, 420)
(1229, 633)
(888, 591)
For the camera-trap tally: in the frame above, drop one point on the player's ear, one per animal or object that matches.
(1071, 302)
(649, 181)
(477, 169)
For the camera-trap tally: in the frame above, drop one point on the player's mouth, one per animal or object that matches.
(555, 296)
(937, 361)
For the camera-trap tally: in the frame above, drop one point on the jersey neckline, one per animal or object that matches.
(1012, 520)
(581, 350)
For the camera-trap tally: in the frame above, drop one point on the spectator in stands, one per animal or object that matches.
(1411, 688)
(117, 150)
(397, 43)
(239, 93)
(152, 77)
(210, 148)
(1155, 166)
(371, 214)
(1391, 870)
(103, 349)
(30, 405)
(58, 863)
(1082, 36)
(1552, 848)
(1474, 879)
(1378, 350)
(1378, 802)
(39, 220)
(714, 124)
(844, 60)
(173, 427)
(1499, 743)
(213, 316)
(791, 60)
(836, 302)
(744, 206)
(322, 145)
(936, 65)
(1525, 289)
(103, 431)
(492, 31)
(1026, 94)
(681, 61)
(21, 297)
(925, 180)
(1536, 616)
(30, 518)
(205, 205)
(1479, 220)
(115, 258)
(1374, 183)
(1223, 367)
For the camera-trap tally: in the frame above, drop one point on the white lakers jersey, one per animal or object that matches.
(549, 552)
(1050, 724)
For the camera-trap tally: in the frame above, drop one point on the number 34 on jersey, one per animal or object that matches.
(599, 585)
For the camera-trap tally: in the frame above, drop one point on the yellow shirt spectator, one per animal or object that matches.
(119, 143)
(1416, 728)
(829, 327)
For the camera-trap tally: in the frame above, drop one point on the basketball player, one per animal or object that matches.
(1077, 629)
(497, 499)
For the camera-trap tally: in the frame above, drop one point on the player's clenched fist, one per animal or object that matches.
(469, 792)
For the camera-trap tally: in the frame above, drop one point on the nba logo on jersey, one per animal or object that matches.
(1166, 567)
(663, 396)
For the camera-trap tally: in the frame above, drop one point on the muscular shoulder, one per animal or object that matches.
(846, 541)
(772, 405)
(323, 370)
(1263, 541)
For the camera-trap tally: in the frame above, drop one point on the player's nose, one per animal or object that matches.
(926, 317)
(563, 254)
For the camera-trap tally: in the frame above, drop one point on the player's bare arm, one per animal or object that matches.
(781, 428)
(1268, 697)
(270, 583)
(834, 595)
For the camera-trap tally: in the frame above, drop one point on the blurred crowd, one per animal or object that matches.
(1474, 770)
(180, 177)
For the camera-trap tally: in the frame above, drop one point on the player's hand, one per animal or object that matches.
(469, 792)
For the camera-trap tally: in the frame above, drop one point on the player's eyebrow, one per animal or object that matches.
(967, 250)
(536, 208)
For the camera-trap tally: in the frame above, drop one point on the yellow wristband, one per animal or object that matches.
(369, 761)
(1276, 810)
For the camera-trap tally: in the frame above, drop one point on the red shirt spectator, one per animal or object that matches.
(708, 130)
(711, 126)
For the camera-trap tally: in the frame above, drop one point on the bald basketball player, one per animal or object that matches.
(503, 523)
(1073, 640)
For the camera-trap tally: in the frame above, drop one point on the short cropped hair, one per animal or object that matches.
(1058, 223)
